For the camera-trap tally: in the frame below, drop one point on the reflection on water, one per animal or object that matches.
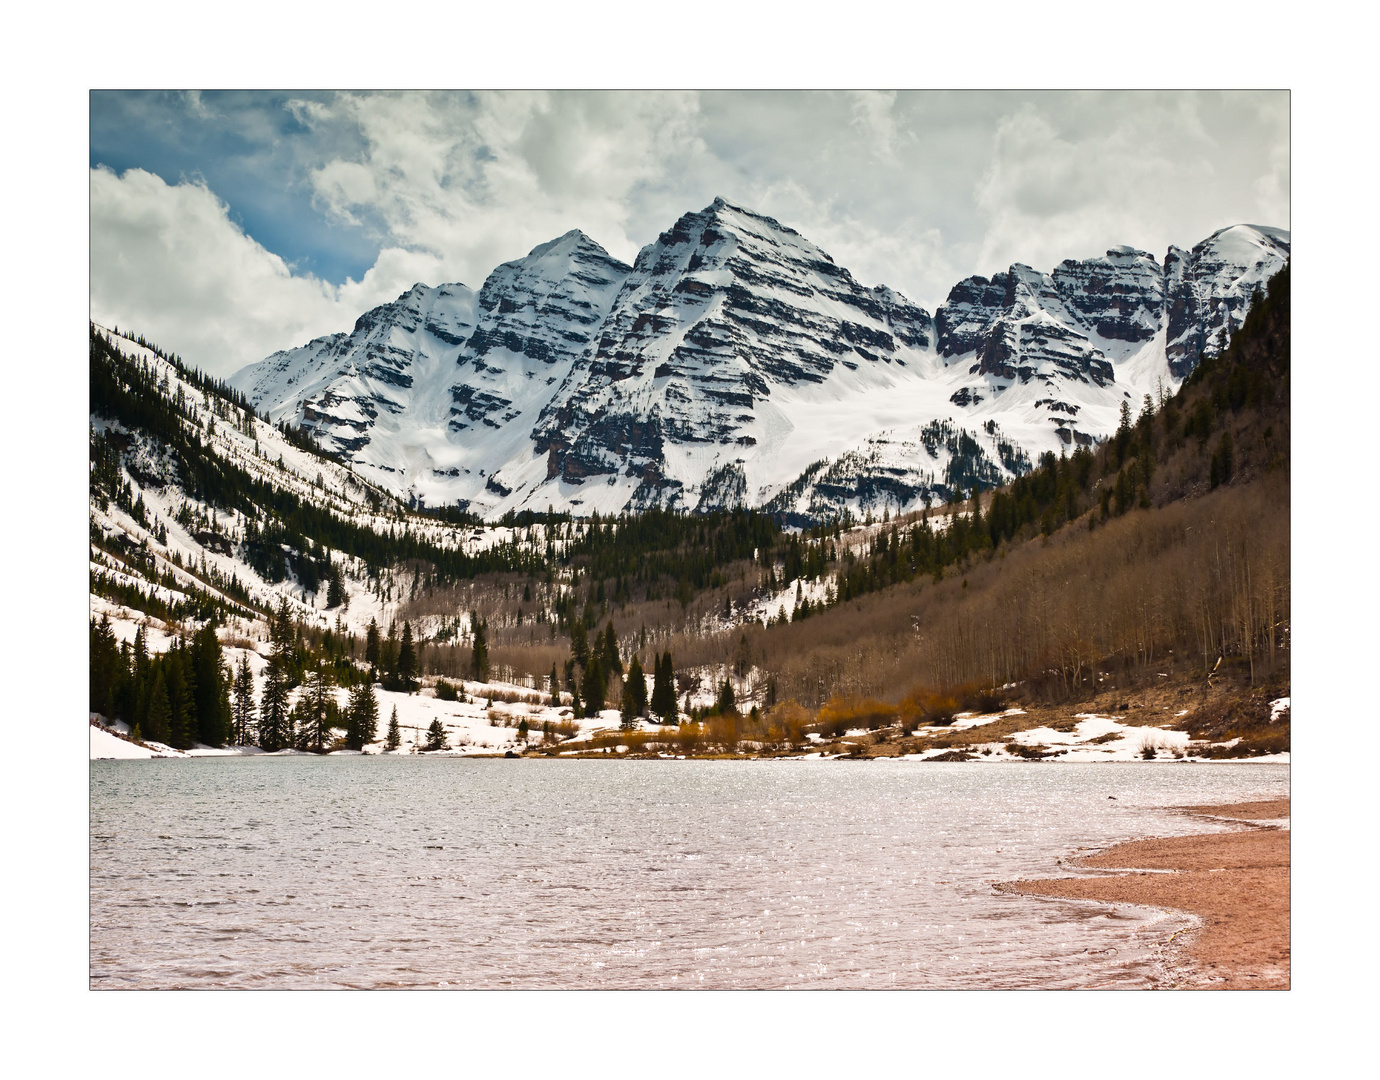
(373, 872)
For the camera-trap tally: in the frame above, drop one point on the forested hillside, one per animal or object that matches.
(1159, 556)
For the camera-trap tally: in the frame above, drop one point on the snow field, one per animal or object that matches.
(1078, 745)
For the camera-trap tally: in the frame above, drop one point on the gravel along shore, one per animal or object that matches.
(1236, 883)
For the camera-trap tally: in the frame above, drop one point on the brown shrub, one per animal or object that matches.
(514, 697)
(841, 714)
(723, 730)
(787, 722)
(923, 706)
(688, 737)
(565, 729)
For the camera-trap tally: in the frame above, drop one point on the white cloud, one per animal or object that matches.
(167, 261)
(478, 179)
(1070, 177)
(911, 190)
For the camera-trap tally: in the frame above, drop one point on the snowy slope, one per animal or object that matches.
(430, 395)
(200, 548)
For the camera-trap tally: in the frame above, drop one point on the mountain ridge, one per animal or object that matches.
(735, 360)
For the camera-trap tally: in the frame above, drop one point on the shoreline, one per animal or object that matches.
(1235, 885)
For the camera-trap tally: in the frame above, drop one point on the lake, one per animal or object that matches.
(482, 873)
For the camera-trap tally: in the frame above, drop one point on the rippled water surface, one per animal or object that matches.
(372, 872)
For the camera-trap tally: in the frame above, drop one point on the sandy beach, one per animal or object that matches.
(1236, 883)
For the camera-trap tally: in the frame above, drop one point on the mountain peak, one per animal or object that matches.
(721, 210)
(567, 243)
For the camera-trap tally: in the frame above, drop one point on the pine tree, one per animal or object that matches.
(244, 703)
(300, 727)
(635, 690)
(212, 688)
(407, 660)
(335, 590)
(479, 650)
(158, 718)
(577, 708)
(594, 684)
(1221, 466)
(579, 643)
(371, 645)
(318, 711)
(436, 736)
(394, 739)
(664, 689)
(106, 668)
(363, 717)
(555, 687)
(613, 664)
(283, 636)
(1122, 439)
(388, 655)
(727, 700)
(181, 703)
(275, 729)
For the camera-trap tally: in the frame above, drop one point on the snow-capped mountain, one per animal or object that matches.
(736, 363)
(1207, 289)
(729, 328)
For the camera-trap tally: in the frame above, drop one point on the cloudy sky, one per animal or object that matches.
(227, 225)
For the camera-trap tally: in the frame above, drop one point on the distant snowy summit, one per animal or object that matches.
(735, 363)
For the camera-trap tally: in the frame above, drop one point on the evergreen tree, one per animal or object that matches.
(388, 654)
(577, 708)
(479, 650)
(299, 725)
(283, 637)
(244, 703)
(363, 717)
(593, 686)
(555, 687)
(637, 680)
(275, 727)
(158, 717)
(318, 711)
(181, 703)
(407, 660)
(106, 668)
(613, 664)
(212, 688)
(664, 689)
(1122, 439)
(1220, 468)
(579, 643)
(394, 739)
(436, 736)
(727, 701)
(371, 645)
(335, 588)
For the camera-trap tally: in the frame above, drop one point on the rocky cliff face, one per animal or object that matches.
(736, 362)
(537, 316)
(340, 386)
(1078, 326)
(429, 395)
(1209, 288)
(723, 313)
